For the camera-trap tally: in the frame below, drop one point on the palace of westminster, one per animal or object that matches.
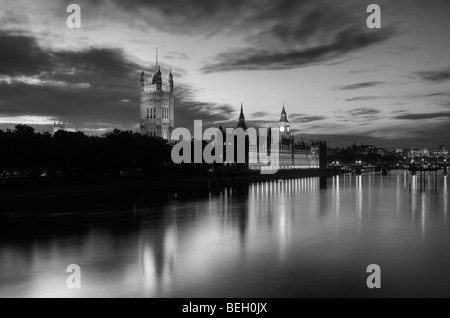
(157, 110)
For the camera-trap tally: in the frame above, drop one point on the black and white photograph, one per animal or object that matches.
(224, 150)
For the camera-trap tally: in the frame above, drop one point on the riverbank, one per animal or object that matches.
(162, 186)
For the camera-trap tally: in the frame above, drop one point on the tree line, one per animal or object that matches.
(25, 153)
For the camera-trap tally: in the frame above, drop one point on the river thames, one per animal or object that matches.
(309, 237)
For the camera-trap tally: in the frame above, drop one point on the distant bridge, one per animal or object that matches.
(384, 168)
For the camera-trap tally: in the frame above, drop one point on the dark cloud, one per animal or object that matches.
(21, 54)
(434, 76)
(363, 115)
(362, 98)
(180, 16)
(296, 118)
(188, 109)
(360, 85)
(364, 111)
(306, 119)
(265, 59)
(286, 19)
(305, 32)
(176, 56)
(424, 116)
(295, 115)
(96, 88)
(260, 114)
(436, 94)
(80, 85)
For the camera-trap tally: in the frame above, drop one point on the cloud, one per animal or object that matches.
(176, 56)
(192, 17)
(80, 85)
(364, 111)
(424, 116)
(189, 108)
(434, 76)
(360, 115)
(265, 59)
(21, 54)
(97, 85)
(362, 98)
(306, 119)
(360, 85)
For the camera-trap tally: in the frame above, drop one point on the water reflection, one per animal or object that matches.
(157, 253)
(445, 198)
(261, 240)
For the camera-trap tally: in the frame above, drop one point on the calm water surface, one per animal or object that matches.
(292, 238)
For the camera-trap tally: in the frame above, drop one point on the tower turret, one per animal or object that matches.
(171, 81)
(283, 116)
(157, 105)
(285, 129)
(157, 79)
(241, 123)
(142, 80)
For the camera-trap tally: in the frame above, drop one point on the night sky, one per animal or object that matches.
(338, 79)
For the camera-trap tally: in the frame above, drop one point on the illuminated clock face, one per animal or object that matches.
(288, 128)
(282, 129)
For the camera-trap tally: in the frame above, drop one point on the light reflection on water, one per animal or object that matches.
(290, 238)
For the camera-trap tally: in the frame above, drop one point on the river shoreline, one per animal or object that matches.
(18, 191)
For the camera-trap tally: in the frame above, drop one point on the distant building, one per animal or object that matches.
(65, 126)
(287, 153)
(157, 105)
(441, 152)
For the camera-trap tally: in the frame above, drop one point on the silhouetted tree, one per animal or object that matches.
(27, 153)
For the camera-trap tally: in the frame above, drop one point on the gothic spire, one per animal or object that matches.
(283, 115)
(156, 58)
(242, 119)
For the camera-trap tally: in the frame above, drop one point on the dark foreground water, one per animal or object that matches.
(293, 238)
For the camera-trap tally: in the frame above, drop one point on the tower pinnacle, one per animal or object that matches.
(283, 115)
(241, 123)
(156, 59)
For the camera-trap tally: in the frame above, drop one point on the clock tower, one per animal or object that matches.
(285, 129)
